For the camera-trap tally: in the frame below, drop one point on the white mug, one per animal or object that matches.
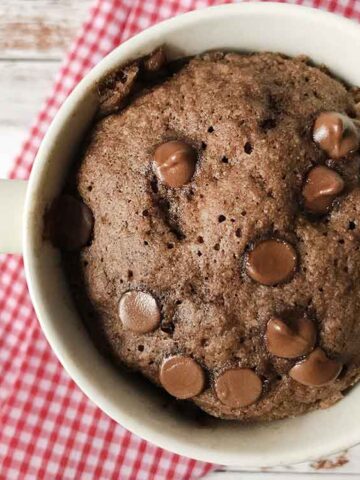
(130, 401)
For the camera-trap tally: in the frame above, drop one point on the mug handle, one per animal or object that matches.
(12, 200)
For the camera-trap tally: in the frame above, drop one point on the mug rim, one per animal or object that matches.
(138, 44)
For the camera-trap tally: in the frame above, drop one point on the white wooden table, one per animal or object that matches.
(34, 34)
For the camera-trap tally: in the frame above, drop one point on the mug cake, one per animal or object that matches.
(210, 230)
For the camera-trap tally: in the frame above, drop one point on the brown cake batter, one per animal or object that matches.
(224, 261)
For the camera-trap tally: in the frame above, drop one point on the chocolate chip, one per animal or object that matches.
(175, 163)
(182, 376)
(336, 134)
(316, 370)
(139, 312)
(69, 223)
(290, 341)
(321, 187)
(238, 387)
(271, 262)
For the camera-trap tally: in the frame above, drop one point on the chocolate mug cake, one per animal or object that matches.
(210, 231)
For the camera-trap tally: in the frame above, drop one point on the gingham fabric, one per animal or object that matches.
(49, 429)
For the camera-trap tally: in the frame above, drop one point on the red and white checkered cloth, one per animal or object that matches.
(49, 429)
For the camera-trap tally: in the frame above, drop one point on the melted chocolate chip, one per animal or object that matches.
(182, 377)
(238, 387)
(69, 223)
(175, 163)
(139, 312)
(336, 134)
(290, 341)
(316, 370)
(321, 188)
(271, 262)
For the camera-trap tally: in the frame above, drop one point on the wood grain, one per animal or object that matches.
(39, 29)
(24, 85)
(34, 35)
(241, 475)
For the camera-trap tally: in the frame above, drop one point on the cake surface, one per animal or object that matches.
(174, 284)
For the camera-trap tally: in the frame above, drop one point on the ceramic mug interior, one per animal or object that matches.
(127, 399)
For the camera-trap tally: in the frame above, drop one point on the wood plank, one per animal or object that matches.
(346, 462)
(40, 29)
(11, 139)
(23, 86)
(234, 475)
